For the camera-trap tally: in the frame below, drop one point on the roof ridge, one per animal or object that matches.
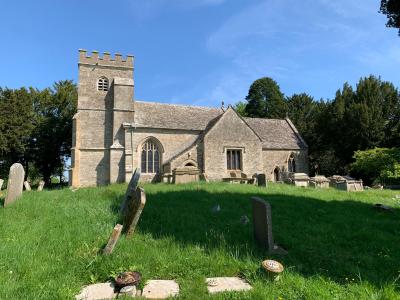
(272, 119)
(179, 105)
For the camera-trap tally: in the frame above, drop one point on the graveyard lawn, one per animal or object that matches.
(339, 246)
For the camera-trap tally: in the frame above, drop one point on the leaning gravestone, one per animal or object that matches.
(27, 186)
(40, 186)
(261, 180)
(262, 224)
(15, 183)
(1, 183)
(113, 239)
(133, 209)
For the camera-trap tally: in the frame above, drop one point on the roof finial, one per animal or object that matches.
(222, 105)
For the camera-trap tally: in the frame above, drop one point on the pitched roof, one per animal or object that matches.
(275, 134)
(172, 116)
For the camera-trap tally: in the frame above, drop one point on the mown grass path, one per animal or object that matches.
(339, 246)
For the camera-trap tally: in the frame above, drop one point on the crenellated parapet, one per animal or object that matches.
(106, 59)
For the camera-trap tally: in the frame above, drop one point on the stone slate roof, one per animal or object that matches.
(172, 116)
(275, 134)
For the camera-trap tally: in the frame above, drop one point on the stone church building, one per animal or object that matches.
(113, 133)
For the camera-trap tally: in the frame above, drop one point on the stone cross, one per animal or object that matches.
(27, 186)
(15, 183)
(261, 180)
(133, 209)
(1, 183)
(113, 239)
(133, 183)
(262, 224)
(40, 186)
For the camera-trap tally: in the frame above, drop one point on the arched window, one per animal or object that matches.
(291, 164)
(102, 84)
(150, 157)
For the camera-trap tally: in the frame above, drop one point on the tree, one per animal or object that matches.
(240, 108)
(391, 8)
(16, 125)
(265, 99)
(52, 137)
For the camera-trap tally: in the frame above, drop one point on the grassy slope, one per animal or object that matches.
(339, 247)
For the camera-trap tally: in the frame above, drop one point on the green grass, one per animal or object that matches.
(339, 246)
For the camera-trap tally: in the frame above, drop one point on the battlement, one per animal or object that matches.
(106, 59)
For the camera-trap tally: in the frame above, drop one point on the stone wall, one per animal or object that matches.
(231, 132)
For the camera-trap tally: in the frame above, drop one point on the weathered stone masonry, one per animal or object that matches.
(113, 133)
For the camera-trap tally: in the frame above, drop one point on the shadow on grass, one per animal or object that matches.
(340, 240)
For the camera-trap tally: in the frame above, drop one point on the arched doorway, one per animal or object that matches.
(277, 175)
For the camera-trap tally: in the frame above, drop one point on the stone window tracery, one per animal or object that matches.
(150, 157)
(234, 159)
(102, 84)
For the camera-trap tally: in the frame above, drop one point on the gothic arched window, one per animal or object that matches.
(150, 157)
(291, 164)
(102, 84)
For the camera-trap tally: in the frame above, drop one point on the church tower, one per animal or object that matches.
(105, 101)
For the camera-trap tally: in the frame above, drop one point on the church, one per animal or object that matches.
(113, 134)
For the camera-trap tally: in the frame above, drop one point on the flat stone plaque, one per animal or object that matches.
(15, 183)
(227, 284)
(160, 289)
(98, 291)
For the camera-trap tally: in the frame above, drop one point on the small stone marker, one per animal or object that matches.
(1, 183)
(227, 284)
(132, 186)
(133, 209)
(40, 186)
(262, 224)
(98, 291)
(27, 186)
(113, 239)
(216, 208)
(160, 289)
(261, 180)
(129, 290)
(15, 183)
(383, 207)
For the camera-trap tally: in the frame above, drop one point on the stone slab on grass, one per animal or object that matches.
(160, 289)
(227, 284)
(98, 291)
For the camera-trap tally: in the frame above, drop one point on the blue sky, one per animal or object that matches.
(202, 51)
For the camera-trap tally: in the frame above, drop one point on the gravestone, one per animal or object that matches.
(113, 239)
(1, 183)
(160, 289)
(132, 186)
(261, 180)
(27, 186)
(262, 226)
(133, 209)
(15, 183)
(40, 186)
(227, 284)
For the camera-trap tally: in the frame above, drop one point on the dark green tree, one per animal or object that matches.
(391, 8)
(265, 99)
(16, 126)
(52, 136)
(240, 108)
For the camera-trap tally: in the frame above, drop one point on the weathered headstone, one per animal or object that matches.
(15, 183)
(27, 186)
(40, 186)
(261, 180)
(132, 186)
(98, 291)
(262, 226)
(133, 209)
(1, 183)
(113, 239)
